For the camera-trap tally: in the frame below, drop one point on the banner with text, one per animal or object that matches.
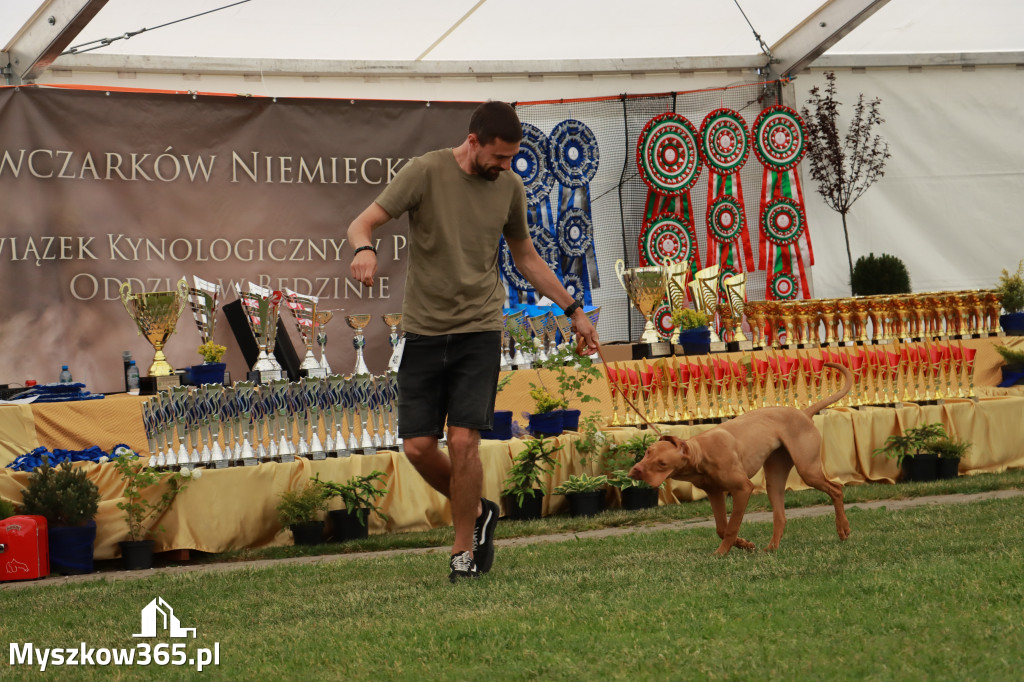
(98, 188)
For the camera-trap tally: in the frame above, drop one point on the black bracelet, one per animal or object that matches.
(571, 308)
(364, 248)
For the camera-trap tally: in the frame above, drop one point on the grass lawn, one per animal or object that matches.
(928, 593)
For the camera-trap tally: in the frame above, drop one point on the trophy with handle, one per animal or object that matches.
(156, 314)
(645, 288)
(262, 308)
(304, 313)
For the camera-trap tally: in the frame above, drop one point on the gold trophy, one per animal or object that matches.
(156, 313)
(755, 311)
(704, 288)
(736, 292)
(322, 318)
(304, 313)
(645, 288)
(358, 323)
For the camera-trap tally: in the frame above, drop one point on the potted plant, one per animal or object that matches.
(909, 451)
(1012, 367)
(359, 495)
(949, 452)
(68, 500)
(692, 331)
(1011, 295)
(619, 460)
(212, 369)
(573, 371)
(522, 493)
(877, 275)
(139, 511)
(546, 419)
(585, 494)
(300, 510)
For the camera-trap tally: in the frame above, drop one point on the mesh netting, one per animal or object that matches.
(618, 194)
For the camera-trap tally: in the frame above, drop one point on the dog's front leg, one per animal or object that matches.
(717, 500)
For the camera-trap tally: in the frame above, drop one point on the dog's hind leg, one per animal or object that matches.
(813, 474)
(776, 471)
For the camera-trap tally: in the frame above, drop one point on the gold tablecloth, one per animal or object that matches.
(234, 508)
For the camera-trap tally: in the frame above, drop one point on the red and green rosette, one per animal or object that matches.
(668, 158)
(724, 148)
(779, 142)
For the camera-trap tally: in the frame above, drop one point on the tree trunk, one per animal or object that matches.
(849, 254)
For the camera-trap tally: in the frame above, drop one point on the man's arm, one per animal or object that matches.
(360, 233)
(534, 269)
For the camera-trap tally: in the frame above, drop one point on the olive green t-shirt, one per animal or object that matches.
(455, 222)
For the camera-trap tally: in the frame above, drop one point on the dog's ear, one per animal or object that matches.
(676, 442)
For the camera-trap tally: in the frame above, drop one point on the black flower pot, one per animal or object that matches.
(136, 555)
(695, 341)
(349, 525)
(639, 497)
(1012, 375)
(308, 533)
(207, 373)
(586, 504)
(920, 467)
(71, 548)
(948, 467)
(531, 508)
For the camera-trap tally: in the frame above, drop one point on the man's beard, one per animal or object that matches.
(486, 172)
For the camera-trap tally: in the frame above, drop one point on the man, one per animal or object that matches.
(460, 202)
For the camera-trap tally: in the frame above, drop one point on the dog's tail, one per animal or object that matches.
(838, 395)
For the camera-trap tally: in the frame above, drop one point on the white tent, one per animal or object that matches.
(950, 75)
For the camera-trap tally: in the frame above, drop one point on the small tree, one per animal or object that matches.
(845, 167)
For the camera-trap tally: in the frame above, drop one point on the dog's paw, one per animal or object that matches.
(744, 544)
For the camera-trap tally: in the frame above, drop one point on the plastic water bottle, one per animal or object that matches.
(133, 378)
(65, 375)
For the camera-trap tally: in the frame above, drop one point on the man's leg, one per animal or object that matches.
(467, 479)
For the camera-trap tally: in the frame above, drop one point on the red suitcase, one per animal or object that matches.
(24, 549)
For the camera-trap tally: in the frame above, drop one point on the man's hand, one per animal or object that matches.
(364, 267)
(585, 331)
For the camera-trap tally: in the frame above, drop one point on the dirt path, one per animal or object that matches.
(750, 517)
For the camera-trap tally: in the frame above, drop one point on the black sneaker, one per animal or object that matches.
(462, 566)
(483, 535)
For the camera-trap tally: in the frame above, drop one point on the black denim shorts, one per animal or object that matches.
(451, 377)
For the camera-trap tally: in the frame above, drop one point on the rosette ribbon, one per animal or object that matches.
(668, 158)
(724, 148)
(573, 159)
(531, 164)
(779, 142)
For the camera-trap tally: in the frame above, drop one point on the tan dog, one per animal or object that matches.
(723, 459)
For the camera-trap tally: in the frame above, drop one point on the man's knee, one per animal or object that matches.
(463, 442)
(416, 449)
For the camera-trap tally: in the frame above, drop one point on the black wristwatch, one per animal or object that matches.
(572, 308)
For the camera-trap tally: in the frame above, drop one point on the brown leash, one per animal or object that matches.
(579, 351)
